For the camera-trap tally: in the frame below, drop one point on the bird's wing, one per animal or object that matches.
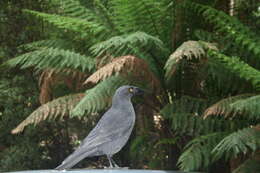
(112, 125)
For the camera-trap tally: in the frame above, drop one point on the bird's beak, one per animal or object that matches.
(139, 91)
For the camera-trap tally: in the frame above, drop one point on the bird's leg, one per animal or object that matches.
(114, 163)
(110, 161)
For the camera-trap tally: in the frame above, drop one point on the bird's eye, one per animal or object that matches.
(131, 90)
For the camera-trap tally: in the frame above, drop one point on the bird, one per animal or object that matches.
(111, 132)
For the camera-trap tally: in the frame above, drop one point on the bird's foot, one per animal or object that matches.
(116, 166)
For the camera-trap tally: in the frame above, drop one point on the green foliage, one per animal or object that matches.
(132, 44)
(99, 97)
(198, 152)
(190, 78)
(135, 15)
(230, 26)
(54, 43)
(187, 51)
(138, 44)
(23, 156)
(18, 98)
(53, 58)
(240, 142)
(224, 106)
(85, 29)
(238, 67)
(185, 115)
(75, 9)
(249, 107)
(151, 153)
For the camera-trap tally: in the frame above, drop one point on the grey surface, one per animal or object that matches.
(101, 171)
(111, 132)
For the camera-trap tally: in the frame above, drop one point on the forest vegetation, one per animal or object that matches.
(199, 61)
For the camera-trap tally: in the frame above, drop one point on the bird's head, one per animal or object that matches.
(128, 91)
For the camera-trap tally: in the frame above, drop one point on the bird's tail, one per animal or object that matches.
(73, 159)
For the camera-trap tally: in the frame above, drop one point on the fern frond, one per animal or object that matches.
(53, 58)
(104, 12)
(229, 25)
(73, 8)
(197, 154)
(99, 97)
(185, 116)
(137, 15)
(128, 44)
(223, 107)
(129, 67)
(49, 78)
(86, 29)
(186, 104)
(59, 107)
(188, 50)
(238, 67)
(248, 106)
(138, 44)
(54, 43)
(204, 35)
(239, 142)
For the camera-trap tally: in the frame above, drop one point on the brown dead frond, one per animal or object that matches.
(127, 66)
(103, 60)
(223, 106)
(59, 107)
(49, 78)
(188, 50)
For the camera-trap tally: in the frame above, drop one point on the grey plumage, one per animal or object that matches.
(111, 132)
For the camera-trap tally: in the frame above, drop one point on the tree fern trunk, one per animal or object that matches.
(178, 29)
(223, 5)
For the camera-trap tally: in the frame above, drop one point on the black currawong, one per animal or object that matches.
(111, 132)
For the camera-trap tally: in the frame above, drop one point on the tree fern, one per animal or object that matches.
(85, 29)
(240, 142)
(229, 25)
(134, 15)
(238, 67)
(116, 32)
(105, 13)
(249, 107)
(138, 44)
(197, 154)
(59, 107)
(51, 43)
(99, 97)
(50, 78)
(127, 44)
(75, 9)
(130, 67)
(53, 58)
(223, 107)
(184, 117)
(188, 50)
